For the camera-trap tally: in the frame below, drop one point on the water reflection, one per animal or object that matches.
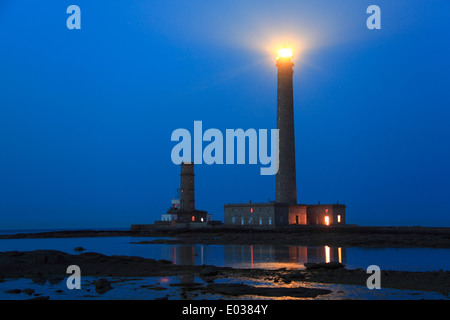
(255, 256)
(273, 257)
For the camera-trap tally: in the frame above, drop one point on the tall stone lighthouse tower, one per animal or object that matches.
(187, 196)
(286, 186)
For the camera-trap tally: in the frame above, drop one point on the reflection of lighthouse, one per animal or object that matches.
(286, 187)
(275, 257)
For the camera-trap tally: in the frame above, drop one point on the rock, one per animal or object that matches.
(157, 288)
(48, 257)
(236, 289)
(55, 279)
(293, 277)
(209, 271)
(102, 285)
(324, 265)
(311, 266)
(186, 284)
(14, 291)
(332, 265)
(163, 261)
(40, 298)
(79, 249)
(28, 291)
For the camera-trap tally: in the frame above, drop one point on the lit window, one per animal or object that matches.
(201, 219)
(339, 218)
(327, 220)
(251, 210)
(193, 218)
(326, 210)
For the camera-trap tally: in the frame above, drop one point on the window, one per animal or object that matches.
(242, 220)
(339, 218)
(251, 210)
(260, 221)
(193, 218)
(327, 220)
(233, 220)
(270, 220)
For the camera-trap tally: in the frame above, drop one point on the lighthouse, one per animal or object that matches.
(284, 210)
(286, 186)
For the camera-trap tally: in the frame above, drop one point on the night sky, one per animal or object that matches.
(86, 115)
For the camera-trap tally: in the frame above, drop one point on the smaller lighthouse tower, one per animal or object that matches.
(183, 209)
(187, 191)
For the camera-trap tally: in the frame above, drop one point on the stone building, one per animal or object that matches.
(276, 214)
(284, 210)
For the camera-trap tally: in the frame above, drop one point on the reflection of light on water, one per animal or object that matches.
(201, 249)
(327, 254)
(340, 254)
(251, 254)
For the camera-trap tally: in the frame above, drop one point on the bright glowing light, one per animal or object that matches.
(285, 53)
(327, 220)
(327, 254)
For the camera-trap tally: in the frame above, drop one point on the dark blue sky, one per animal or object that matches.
(86, 115)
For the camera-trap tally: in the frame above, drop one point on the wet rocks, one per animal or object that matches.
(14, 291)
(102, 285)
(323, 265)
(40, 298)
(209, 271)
(28, 291)
(239, 289)
(47, 257)
(288, 278)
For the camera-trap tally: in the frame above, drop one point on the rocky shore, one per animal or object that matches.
(348, 236)
(51, 265)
